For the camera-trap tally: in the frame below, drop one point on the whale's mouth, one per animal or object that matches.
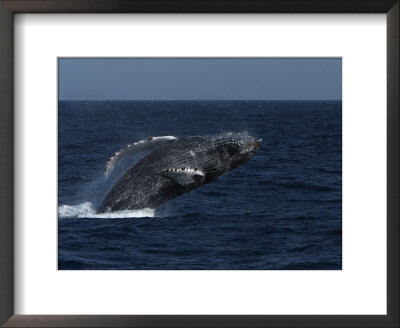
(254, 145)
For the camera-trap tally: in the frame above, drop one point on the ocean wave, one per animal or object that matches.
(308, 186)
(87, 210)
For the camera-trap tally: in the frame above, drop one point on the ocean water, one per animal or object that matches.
(282, 210)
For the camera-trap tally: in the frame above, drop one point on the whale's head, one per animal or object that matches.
(238, 148)
(241, 148)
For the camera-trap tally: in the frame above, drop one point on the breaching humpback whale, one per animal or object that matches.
(174, 166)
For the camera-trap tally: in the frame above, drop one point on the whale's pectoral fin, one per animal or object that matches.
(185, 177)
(137, 147)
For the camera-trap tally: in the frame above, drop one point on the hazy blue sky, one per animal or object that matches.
(205, 79)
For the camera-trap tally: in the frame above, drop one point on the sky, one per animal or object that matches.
(200, 79)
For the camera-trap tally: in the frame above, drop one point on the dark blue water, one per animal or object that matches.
(281, 210)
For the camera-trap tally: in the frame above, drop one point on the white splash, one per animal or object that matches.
(87, 210)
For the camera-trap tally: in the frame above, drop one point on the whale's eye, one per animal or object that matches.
(232, 150)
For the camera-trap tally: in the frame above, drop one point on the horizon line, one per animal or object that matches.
(199, 99)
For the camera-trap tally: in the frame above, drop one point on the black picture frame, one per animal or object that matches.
(7, 10)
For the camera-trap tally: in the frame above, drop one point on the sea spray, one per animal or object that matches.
(87, 210)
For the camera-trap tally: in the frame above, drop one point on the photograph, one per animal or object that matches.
(199, 163)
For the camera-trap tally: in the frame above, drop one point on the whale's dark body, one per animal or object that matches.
(175, 166)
